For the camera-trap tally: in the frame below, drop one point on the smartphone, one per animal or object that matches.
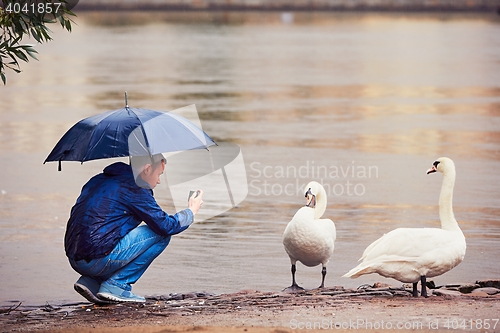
(191, 193)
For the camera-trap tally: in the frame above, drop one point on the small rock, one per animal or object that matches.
(489, 283)
(175, 296)
(487, 290)
(376, 289)
(381, 285)
(467, 288)
(155, 297)
(204, 294)
(430, 285)
(446, 292)
(453, 286)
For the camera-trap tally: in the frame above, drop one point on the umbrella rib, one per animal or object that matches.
(146, 141)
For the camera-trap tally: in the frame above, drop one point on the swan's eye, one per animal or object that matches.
(436, 164)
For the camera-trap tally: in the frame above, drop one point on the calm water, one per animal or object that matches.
(305, 96)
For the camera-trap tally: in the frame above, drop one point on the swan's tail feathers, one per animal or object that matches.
(358, 271)
(380, 265)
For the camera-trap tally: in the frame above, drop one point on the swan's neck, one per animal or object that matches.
(320, 208)
(446, 216)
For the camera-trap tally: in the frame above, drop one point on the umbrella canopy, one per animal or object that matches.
(128, 132)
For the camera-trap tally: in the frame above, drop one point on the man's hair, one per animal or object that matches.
(139, 162)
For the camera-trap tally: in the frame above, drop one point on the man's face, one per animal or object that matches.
(151, 174)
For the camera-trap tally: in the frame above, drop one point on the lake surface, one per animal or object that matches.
(307, 96)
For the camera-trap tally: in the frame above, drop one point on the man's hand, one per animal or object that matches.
(195, 201)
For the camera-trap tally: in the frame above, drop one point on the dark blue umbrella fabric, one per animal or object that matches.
(128, 132)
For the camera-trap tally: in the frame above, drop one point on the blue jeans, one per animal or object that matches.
(127, 261)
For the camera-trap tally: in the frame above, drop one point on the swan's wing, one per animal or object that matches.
(304, 214)
(293, 230)
(408, 243)
(405, 254)
(327, 226)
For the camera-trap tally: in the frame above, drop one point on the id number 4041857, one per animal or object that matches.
(33, 7)
(471, 324)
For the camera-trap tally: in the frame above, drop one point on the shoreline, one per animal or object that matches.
(457, 6)
(379, 306)
(339, 9)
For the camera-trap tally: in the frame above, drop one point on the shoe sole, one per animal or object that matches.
(114, 298)
(89, 296)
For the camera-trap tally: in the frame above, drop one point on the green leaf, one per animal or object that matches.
(14, 60)
(24, 26)
(20, 54)
(35, 35)
(4, 79)
(45, 33)
(15, 41)
(68, 25)
(31, 52)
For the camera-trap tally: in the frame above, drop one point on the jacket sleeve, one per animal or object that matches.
(145, 207)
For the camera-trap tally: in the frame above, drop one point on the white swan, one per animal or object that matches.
(307, 238)
(412, 254)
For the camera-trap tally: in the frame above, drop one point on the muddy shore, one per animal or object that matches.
(467, 307)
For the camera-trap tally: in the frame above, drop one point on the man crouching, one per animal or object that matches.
(105, 241)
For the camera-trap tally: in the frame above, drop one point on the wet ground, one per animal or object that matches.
(469, 307)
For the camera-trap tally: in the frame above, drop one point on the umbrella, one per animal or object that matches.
(128, 132)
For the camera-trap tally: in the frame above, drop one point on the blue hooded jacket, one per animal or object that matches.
(110, 205)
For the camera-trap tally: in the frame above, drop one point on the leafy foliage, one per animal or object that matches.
(27, 18)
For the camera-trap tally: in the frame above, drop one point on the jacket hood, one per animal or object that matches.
(118, 168)
(125, 170)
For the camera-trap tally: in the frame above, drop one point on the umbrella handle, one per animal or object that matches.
(126, 99)
(59, 167)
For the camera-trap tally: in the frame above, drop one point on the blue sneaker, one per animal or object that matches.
(88, 288)
(112, 293)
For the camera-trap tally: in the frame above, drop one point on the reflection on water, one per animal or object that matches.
(392, 92)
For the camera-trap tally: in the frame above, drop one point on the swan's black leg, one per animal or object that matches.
(423, 285)
(323, 274)
(415, 290)
(294, 269)
(294, 285)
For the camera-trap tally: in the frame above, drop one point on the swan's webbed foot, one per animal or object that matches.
(294, 288)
